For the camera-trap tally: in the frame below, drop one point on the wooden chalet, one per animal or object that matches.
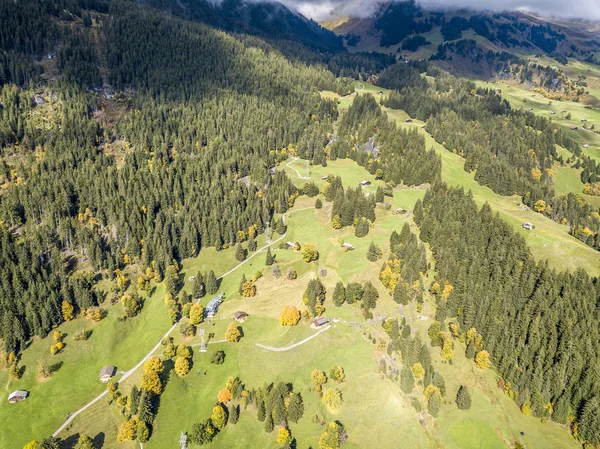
(17, 396)
(107, 373)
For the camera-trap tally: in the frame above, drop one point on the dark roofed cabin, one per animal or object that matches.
(107, 373)
(320, 322)
(240, 316)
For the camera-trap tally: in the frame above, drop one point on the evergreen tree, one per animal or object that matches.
(433, 405)
(560, 411)
(234, 414)
(295, 408)
(269, 425)
(269, 260)
(251, 244)
(407, 380)
(134, 400)
(463, 398)
(362, 228)
(379, 197)
(374, 253)
(198, 288)
(400, 294)
(470, 351)
(240, 253)
(589, 424)
(339, 294)
(242, 283)
(211, 283)
(370, 296)
(318, 204)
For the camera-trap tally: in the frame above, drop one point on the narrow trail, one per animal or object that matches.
(287, 348)
(289, 165)
(128, 373)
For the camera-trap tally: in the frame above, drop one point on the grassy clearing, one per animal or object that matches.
(375, 411)
(525, 99)
(549, 241)
(566, 180)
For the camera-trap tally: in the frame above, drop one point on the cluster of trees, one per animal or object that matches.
(529, 316)
(510, 151)
(350, 207)
(356, 293)
(405, 267)
(176, 185)
(314, 297)
(275, 405)
(374, 141)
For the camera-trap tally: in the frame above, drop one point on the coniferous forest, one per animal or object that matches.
(141, 133)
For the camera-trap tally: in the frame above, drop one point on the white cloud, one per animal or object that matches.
(323, 9)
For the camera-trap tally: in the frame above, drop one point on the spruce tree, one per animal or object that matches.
(234, 414)
(260, 410)
(198, 289)
(295, 408)
(242, 282)
(362, 228)
(370, 296)
(589, 423)
(269, 425)
(251, 244)
(560, 411)
(339, 294)
(407, 380)
(433, 405)
(212, 285)
(240, 253)
(318, 204)
(470, 351)
(134, 400)
(269, 260)
(373, 253)
(463, 398)
(400, 294)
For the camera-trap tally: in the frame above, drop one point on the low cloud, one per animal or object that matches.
(324, 9)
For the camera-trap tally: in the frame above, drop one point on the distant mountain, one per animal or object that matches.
(404, 28)
(269, 20)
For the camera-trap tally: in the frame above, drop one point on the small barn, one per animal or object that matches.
(17, 396)
(213, 306)
(319, 322)
(586, 146)
(528, 226)
(408, 120)
(107, 373)
(365, 183)
(240, 316)
(291, 245)
(348, 246)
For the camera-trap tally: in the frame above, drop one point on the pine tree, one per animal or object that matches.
(269, 260)
(212, 285)
(339, 294)
(251, 244)
(134, 400)
(260, 410)
(379, 197)
(589, 424)
(560, 411)
(240, 253)
(269, 425)
(198, 288)
(433, 405)
(374, 253)
(407, 380)
(234, 414)
(370, 296)
(295, 408)
(463, 398)
(242, 283)
(470, 351)
(362, 228)
(318, 204)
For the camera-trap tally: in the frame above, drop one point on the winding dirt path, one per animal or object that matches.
(295, 345)
(128, 373)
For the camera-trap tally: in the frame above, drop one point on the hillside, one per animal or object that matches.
(220, 227)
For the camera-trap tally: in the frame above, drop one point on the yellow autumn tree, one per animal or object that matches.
(536, 174)
(336, 222)
(233, 334)
(289, 316)
(67, 311)
(418, 371)
(284, 437)
(309, 252)
(196, 314)
(431, 390)
(182, 366)
(151, 383)
(127, 430)
(482, 359)
(224, 395)
(248, 289)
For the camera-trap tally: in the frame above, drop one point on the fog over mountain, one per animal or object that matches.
(324, 9)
